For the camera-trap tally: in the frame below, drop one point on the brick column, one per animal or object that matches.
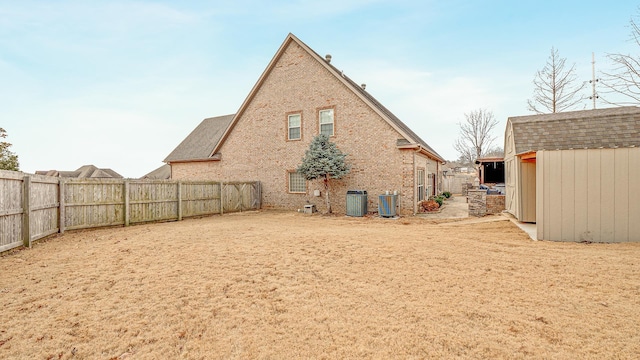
(477, 202)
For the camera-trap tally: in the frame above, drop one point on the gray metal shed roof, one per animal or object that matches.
(586, 129)
(199, 144)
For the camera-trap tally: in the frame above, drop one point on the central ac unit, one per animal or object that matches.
(387, 205)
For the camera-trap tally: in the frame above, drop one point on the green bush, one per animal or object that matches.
(438, 199)
(446, 194)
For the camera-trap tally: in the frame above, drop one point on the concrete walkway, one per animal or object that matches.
(455, 207)
(458, 208)
(529, 228)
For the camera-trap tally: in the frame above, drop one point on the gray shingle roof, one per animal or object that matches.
(587, 129)
(85, 171)
(394, 119)
(199, 145)
(161, 173)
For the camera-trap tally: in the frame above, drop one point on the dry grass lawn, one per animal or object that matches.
(275, 285)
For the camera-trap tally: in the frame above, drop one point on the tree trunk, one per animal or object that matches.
(326, 193)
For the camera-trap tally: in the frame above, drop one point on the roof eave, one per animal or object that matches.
(254, 90)
(421, 149)
(214, 157)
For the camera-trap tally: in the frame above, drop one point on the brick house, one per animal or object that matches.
(299, 95)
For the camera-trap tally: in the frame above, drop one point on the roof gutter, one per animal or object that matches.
(422, 150)
(215, 157)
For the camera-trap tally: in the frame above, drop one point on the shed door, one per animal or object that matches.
(528, 191)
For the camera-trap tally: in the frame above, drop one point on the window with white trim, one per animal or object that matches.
(420, 182)
(295, 127)
(297, 182)
(326, 122)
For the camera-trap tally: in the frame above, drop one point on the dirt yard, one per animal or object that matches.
(275, 285)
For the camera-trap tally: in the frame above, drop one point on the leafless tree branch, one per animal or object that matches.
(475, 135)
(555, 89)
(624, 78)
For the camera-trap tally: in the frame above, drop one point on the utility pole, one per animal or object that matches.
(593, 80)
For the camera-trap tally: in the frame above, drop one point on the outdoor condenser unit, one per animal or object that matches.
(387, 205)
(356, 203)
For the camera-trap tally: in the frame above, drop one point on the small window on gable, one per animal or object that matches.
(326, 122)
(295, 127)
(297, 182)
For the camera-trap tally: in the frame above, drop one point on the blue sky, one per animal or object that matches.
(119, 84)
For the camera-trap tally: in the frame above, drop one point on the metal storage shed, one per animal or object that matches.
(573, 174)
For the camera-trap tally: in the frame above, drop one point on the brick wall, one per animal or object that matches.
(477, 202)
(258, 148)
(495, 204)
(481, 204)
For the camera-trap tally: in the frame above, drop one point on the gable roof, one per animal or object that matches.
(586, 129)
(201, 143)
(85, 171)
(411, 140)
(161, 173)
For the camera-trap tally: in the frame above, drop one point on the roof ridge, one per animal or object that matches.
(577, 114)
(201, 141)
(588, 129)
(393, 120)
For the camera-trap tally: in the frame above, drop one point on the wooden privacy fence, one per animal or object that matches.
(35, 206)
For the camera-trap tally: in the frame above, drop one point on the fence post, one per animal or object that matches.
(126, 203)
(259, 193)
(221, 198)
(26, 211)
(241, 192)
(179, 200)
(61, 210)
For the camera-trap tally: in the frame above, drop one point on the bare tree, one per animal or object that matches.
(475, 135)
(555, 89)
(496, 151)
(624, 78)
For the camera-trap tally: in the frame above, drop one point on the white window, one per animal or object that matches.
(326, 122)
(420, 179)
(297, 182)
(294, 127)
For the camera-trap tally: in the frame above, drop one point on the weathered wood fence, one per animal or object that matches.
(35, 206)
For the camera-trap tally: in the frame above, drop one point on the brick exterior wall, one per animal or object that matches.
(258, 148)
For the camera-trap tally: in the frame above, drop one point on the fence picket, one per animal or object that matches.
(35, 206)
